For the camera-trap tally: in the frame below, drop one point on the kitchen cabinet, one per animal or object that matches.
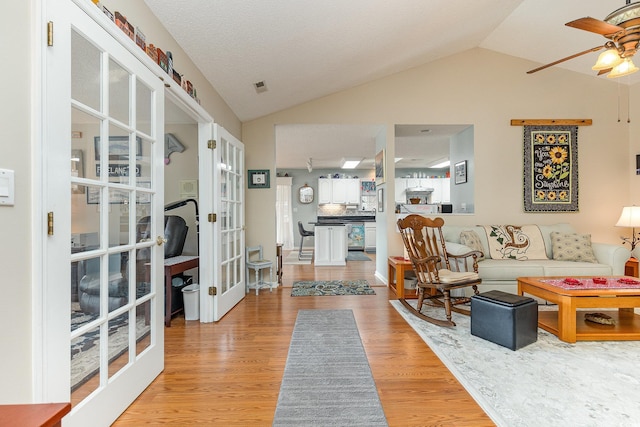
(339, 191)
(330, 245)
(325, 191)
(400, 187)
(370, 236)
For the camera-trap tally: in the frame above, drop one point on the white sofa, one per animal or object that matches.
(501, 274)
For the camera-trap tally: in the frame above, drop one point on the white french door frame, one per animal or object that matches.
(51, 302)
(213, 308)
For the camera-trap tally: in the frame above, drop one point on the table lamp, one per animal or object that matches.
(630, 217)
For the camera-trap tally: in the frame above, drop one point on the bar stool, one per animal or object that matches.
(257, 265)
(304, 233)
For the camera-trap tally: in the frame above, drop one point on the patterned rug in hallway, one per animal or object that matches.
(331, 287)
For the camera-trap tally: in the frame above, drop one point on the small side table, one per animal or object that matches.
(173, 266)
(631, 267)
(397, 266)
(39, 414)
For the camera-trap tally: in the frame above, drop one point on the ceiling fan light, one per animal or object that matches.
(607, 59)
(625, 68)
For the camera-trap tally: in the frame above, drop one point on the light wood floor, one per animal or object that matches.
(229, 373)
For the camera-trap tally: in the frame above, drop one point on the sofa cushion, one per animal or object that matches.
(572, 268)
(471, 239)
(509, 269)
(572, 247)
(523, 242)
(546, 230)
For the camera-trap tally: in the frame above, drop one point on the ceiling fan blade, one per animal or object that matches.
(593, 49)
(601, 72)
(594, 25)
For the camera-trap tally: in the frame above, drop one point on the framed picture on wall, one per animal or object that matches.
(460, 172)
(379, 163)
(258, 178)
(118, 147)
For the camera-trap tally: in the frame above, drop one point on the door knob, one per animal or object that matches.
(160, 240)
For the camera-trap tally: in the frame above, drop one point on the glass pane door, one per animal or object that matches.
(105, 185)
(228, 159)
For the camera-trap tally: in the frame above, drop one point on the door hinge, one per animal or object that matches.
(50, 33)
(211, 144)
(50, 223)
(213, 291)
(212, 217)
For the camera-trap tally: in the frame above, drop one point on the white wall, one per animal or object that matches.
(16, 138)
(462, 149)
(486, 89)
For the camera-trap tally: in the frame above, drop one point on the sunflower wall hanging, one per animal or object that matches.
(550, 168)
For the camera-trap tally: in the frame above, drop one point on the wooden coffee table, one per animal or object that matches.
(569, 325)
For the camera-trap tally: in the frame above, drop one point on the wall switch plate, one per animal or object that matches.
(7, 187)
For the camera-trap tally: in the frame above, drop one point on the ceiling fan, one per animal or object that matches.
(622, 29)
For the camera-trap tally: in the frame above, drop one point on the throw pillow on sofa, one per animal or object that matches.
(572, 247)
(470, 238)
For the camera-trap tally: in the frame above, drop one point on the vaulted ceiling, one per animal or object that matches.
(304, 49)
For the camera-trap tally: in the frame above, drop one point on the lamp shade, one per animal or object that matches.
(607, 59)
(630, 217)
(625, 68)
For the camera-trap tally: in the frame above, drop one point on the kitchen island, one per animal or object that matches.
(330, 244)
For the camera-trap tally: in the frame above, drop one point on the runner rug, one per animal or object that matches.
(547, 383)
(331, 287)
(327, 379)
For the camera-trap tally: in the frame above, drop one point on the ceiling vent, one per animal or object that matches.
(260, 86)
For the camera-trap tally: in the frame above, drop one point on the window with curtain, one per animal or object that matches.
(284, 214)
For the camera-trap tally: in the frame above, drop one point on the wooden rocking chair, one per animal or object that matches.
(437, 271)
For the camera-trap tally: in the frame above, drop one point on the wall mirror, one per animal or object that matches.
(305, 194)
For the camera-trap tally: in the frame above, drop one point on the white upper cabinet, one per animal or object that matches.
(339, 191)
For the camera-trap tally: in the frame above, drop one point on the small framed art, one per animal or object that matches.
(379, 167)
(258, 178)
(460, 172)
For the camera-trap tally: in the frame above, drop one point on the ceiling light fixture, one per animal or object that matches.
(625, 68)
(608, 59)
(350, 162)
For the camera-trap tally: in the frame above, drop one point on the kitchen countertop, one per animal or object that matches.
(343, 219)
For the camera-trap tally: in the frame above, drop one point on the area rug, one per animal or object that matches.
(357, 256)
(327, 380)
(549, 382)
(85, 349)
(292, 259)
(331, 287)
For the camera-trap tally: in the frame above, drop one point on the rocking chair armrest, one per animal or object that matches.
(430, 258)
(463, 259)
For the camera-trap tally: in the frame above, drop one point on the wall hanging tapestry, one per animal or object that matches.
(550, 168)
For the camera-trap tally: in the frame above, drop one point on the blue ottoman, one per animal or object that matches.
(505, 319)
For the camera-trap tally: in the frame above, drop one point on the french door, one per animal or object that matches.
(103, 302)
(222, 191)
